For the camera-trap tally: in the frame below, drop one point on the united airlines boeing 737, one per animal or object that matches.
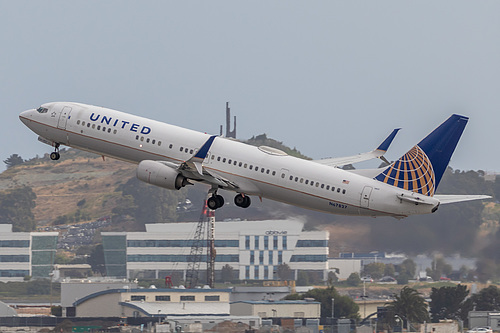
(173, 157)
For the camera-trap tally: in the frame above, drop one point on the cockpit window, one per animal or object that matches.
(42, 110)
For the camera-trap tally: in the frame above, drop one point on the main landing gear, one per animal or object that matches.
(54, 156)
(217, 201)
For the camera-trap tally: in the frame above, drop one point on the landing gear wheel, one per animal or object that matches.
(54, 156)
(215, 201)
(242, 201)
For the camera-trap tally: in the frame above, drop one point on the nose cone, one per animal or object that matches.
(26, 116)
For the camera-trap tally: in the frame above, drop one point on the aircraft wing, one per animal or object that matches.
(376, 153)
(451, 198)
(193, 168)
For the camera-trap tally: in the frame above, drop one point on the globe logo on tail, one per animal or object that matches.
(411, 172)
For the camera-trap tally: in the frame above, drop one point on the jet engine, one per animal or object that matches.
(159, 174)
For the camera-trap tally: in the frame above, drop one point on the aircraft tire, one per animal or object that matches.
(54, 156)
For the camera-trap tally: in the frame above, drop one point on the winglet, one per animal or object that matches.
(202, 153)
(196, 161)
(387, 142)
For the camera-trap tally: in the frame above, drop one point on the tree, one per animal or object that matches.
(354, 279)
(448, 303)
(96, 259)
(344, 306)
(488, 299)
(284, 272)
(15, 208)
(13, 160)
(227, 273)
(375, 270)
(410, 305)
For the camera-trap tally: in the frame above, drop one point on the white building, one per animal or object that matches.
(26, 254)
(154, 303)
(254, 249)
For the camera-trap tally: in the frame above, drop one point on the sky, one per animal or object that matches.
(331, 78)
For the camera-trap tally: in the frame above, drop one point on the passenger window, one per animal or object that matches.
(78, 122)
(301, 180)
(93, 126)
(137, 137)
(267, 171)
(154, 141)
(83, 123)
(312, 183)
(343, 191)
(159, 144)
(169, 146)
(142, 138)
(109, 130)
(98, 127)
(88, 124)
(191, 151)
(235, 162)
(262, 170)
(333, 188)
(296, 179)
(250, 167)
(327, 187)
(224, 160)
(256, 168)
(282, 175)
(115, 131)
(274, 173)
(229, 161)
(181, 149)
(307, 181)
(245, 165)
(147, 140)
(240, 164)
(338, 190)
(213, 157)
(218, 159)
(186, 150)
(317, 184)
(291, 177)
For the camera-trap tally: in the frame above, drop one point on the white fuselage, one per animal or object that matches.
(257, 171)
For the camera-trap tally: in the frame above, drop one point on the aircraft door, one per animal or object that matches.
(365, 196)
(63, 117)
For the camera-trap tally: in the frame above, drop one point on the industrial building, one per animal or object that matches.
(254, 250)
(277, 309)
(26, 254)
(152, 302)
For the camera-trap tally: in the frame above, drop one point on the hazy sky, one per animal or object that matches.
(331, 78)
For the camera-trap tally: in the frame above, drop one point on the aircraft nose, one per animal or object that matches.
(26, 116)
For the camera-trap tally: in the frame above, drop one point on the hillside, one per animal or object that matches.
(61, 185)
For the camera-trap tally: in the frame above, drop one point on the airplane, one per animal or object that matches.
(173, 157)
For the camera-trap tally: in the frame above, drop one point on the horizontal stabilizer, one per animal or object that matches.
(451, 198)
(376, 153)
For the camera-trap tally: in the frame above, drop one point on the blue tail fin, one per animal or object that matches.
(421, 168)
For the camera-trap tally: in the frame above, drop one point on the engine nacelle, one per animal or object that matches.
(159, 174)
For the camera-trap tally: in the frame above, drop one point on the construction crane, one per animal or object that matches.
(207, 216)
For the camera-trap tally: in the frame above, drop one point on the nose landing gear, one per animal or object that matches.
(54, 156)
